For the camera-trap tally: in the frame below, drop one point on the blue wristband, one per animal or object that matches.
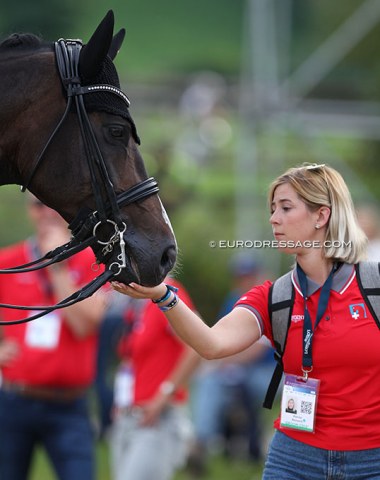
(169, 289)
(170, 305)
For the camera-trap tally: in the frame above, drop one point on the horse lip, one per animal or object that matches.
(135, 269)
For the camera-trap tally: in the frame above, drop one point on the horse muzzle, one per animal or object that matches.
(136, 261)
(142, 250)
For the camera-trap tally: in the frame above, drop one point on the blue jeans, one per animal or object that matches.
(62, 428)
(110, 332)
(289, 459)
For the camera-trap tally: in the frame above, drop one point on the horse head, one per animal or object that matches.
(67, 135)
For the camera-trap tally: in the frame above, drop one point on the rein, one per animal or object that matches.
(86, 224)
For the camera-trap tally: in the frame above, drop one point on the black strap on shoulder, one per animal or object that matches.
(368, 277)
(281, 299)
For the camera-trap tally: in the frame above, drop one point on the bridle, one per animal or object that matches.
(85, 227)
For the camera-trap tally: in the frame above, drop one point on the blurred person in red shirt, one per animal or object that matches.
(151, 433)
(47, 364)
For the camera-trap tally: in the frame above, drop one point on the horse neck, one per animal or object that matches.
(24, 76)
(27, 88)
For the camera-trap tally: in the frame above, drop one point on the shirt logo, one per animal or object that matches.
(358, 311)
(297, 318)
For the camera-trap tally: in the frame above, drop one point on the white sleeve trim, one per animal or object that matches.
(253, 315)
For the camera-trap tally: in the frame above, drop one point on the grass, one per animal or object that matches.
(42, 470)
(220, 468)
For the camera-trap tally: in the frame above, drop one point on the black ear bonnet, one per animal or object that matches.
(108, 102)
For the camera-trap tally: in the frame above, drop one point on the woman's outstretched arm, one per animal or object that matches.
(231, 334)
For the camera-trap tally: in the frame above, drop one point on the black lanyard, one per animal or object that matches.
(307, 361)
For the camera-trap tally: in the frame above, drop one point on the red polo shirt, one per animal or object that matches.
(346, 360)
(50, 354)
(153, 349)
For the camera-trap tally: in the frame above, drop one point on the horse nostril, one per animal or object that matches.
(168, 258)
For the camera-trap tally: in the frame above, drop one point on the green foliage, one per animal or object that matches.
(170, 37)
(355, 76)
(203, 268)
(14, 223)
(49, 18)
(220, 468)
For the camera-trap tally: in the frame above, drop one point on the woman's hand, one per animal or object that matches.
(9, 351)
(138, 291)
(152, 410)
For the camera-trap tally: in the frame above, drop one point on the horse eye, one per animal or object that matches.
(116, 131)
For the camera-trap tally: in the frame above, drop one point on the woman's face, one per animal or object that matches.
(291, 404)
(293, 223)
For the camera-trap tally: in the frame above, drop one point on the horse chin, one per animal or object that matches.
(142, 274)
(127, 275)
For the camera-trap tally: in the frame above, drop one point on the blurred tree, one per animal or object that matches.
(356, 76)
(50, 19)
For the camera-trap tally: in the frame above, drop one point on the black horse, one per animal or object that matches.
(66, 134)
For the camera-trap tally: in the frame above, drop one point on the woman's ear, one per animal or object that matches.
(323, 216)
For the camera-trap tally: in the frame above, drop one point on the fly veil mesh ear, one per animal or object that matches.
(107, 102)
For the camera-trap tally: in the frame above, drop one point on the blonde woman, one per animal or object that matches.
(332, 357)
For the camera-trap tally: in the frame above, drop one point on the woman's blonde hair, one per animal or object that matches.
(321, 185)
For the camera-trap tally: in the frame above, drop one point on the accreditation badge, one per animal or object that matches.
(124, 385)
(44, 332)
(299, 403)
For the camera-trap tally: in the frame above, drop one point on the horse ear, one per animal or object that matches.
(95, 51)
(116, 43)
